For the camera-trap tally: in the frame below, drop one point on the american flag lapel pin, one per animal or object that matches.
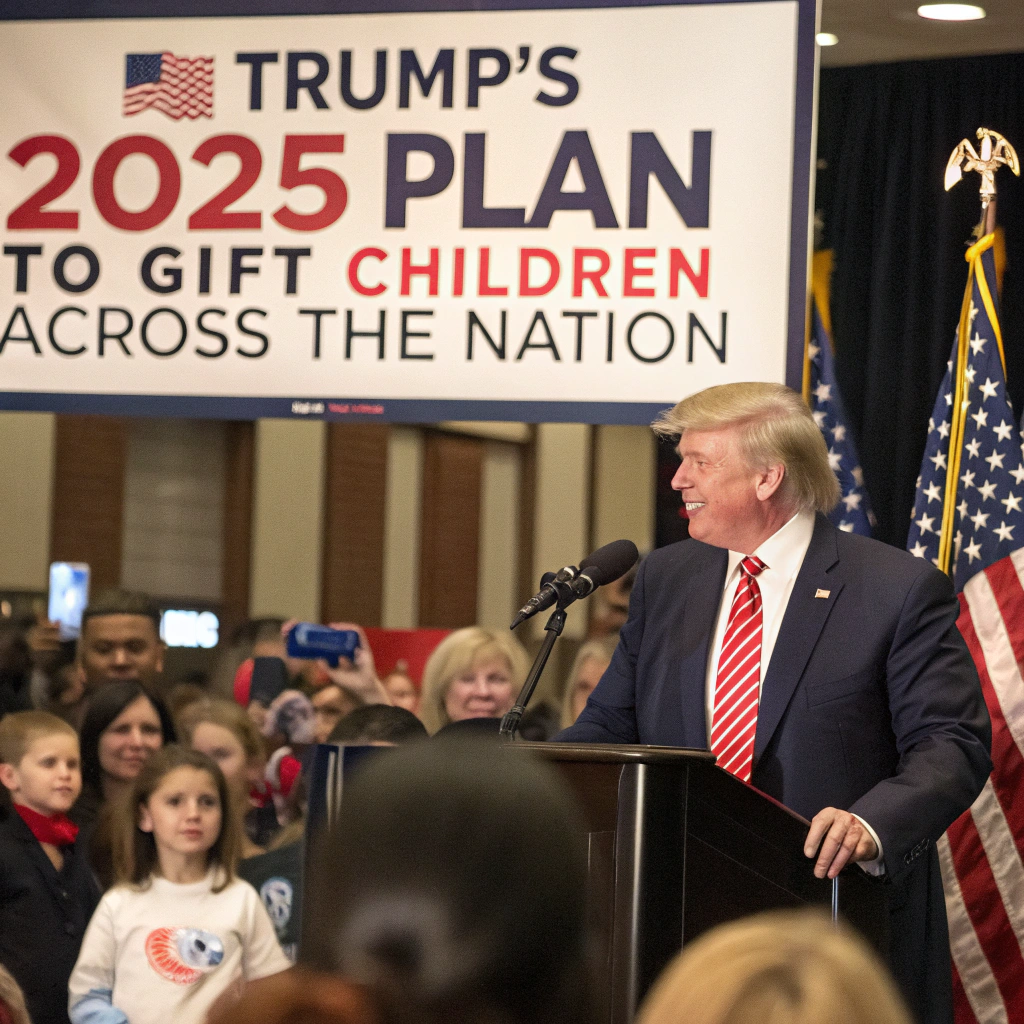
(822, 593)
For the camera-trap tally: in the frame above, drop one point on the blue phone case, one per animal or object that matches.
(308, 640)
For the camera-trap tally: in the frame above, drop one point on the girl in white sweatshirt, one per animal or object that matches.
(178, 929)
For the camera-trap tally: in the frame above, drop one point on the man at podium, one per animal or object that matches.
(823, 668)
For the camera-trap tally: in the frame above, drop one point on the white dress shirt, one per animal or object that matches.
(783, 554)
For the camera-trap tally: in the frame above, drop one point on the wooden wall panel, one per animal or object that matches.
(528, 583)
(450, 549)
(88, 495)
(289, 476)
(236, 561)
(354, 506)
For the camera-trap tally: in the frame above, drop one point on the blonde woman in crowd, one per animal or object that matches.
(587, 668)
(473, 673)
(784, 967)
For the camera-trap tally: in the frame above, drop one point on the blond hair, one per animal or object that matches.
(775, 427)
(13, 998)
(463, 651)
(598, 650)
(19, 730)
(783, 967)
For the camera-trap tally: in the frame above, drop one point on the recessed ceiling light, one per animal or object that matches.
(951, 12)
(826, 39)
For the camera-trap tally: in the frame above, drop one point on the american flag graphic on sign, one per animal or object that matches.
(177, 86)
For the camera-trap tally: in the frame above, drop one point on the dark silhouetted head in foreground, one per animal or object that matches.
(452, 886)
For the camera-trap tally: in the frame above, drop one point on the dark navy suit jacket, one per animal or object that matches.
(870, 703)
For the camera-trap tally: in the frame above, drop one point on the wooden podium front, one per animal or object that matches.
(677, 846)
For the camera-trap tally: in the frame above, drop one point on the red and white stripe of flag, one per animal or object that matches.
(980, 854)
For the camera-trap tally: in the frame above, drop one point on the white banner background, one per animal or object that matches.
(725, 68)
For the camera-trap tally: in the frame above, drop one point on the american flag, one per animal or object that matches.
(969, 521)
(853, 513)
(177, 86)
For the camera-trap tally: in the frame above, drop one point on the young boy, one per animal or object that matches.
(47, 892)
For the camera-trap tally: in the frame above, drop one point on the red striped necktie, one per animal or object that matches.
(738, 680)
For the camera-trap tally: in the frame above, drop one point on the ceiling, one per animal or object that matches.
(874, 31)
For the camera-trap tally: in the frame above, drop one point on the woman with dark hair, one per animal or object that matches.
(451, 888)
(124, 724)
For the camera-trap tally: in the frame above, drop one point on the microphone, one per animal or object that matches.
(547, 595)
(606, 564)
(603, 566)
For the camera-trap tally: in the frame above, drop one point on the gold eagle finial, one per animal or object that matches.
(995, 152)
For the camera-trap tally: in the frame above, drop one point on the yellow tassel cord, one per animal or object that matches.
(961, 401)
(821, 277)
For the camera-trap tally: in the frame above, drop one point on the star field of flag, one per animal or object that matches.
(853, 513)
(988, 521)
(141, 68)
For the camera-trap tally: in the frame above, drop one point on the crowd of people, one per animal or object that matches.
(152, 839)
(127, 793)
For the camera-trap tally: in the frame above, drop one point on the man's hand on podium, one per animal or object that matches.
(842, 839)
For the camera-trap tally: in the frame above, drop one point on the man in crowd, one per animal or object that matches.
(823, 668)
(120, 639)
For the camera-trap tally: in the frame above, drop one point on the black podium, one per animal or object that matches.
(675, 847)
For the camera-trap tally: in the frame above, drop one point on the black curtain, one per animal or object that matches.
(885, 133)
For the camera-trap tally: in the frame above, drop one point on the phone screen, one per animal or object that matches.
(69, 594)
(269, 678)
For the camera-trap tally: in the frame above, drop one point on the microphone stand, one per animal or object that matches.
(553, 627)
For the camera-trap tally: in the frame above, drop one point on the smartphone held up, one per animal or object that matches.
(308, 640)
(69, 595)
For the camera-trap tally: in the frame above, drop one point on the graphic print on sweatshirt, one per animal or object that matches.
(183, 955)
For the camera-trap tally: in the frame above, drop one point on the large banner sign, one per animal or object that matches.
(571, 214)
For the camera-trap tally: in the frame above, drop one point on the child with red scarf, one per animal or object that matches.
(47, 892)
